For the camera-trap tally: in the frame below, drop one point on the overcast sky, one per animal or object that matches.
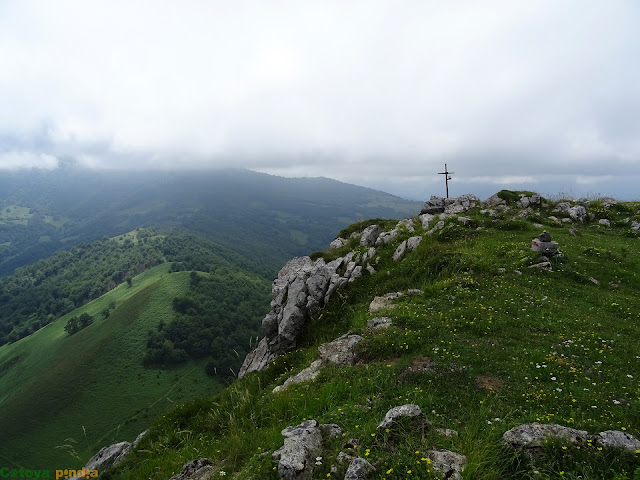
(542, 95)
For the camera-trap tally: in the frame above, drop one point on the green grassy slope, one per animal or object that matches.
(480, 351)
(63, 397)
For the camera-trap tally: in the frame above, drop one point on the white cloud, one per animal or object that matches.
(19, 160)
(365, 90)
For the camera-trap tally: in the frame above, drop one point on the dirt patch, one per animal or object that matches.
(489, 382)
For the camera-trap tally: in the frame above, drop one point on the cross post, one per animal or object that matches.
(446, 174)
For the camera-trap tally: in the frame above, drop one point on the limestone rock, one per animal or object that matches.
(200, 469)
(544, 245)
(341, 351)
(109, 457)
(578, 212)
(386, 237)
(531, 436)
(426, 219)
(384, 302)
(337, 243)
(258, 359)
(618, 439)
(302, 444)
(306, 375)
(378, 323)
(562, 207)
(605, 222)
(449, 464)
(493, 201)
(436, 227)
(359, 469)
(370, 235)
(413, 242)
(332, 430)
(407, 224)
(400, 252)
(635, 225)
(433, 205)
(409, 411)
(543, 266)
(464, 220)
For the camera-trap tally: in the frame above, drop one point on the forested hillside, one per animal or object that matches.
(35, 295)
(256, 215)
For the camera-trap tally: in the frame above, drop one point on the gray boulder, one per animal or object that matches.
(109, 457)
(341, 351)
(406, 224)
(543, 266)
(384, 302)
(302, 444)
(306, 375)
(436, 227)
(409, 411)
(426, 219)
(578, 212)
(635, 225)
(400, 252)
(562, 207)
(258, 359)
(337, 243)
(359, 469)
(494, 200)
(530, 437)
(200, 469)
(605, 222)
(618, 439)
(378, 323)
(370, 235)
(449, 464)
(433, 205)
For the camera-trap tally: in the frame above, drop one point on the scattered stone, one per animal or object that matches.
(413, 242)
(355, 273)
(386, 237)
(543, 266)
(400, 252)
(594, 281)
(359, 469)
(426, 219)
(302, 444)
(538, 225)
(330, 430)
(414, 291)
(200, 469)
(337, 243)
(493, 201)
(605, 222)
(306, 375)
(531, 436)
(578, 212)
(410, 411)
(554, 219)
(384, 302)
(449, 464)
(464, 220)
(341, 351)
(379, 323)
(618, 439)
(407, 224)
(502, 270)
(450, 206)
(562, 207)
(446, 432)
(370, 269)
(517, 272)
(635, 225)
(370, 235)
(437, 226)
(573, 232)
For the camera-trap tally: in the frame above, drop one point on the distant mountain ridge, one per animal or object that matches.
(252, 213)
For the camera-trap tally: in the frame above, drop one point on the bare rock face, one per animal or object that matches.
(370, 235)
(449, 206)
(409, 411)
(109, 456)
(200, 469)
(359, 469)
(302, 288)
(449, 464)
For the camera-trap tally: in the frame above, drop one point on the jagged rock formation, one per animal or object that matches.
(450, 206)
(303, 287)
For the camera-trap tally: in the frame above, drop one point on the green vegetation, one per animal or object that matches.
(75, 324)
(481, 350)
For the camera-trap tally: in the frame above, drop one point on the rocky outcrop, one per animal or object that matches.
(406, 246)
(578, 212)
(385, 302)
(302, 445)
(306, 375)
(379, 323)
(200, 469)
(449, 206)
(302, 288)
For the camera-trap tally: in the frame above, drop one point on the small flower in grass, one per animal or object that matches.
(629, 376)
(318, 460)
(222, 473)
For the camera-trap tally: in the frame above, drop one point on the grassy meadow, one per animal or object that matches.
(64, 397)
(490, 344)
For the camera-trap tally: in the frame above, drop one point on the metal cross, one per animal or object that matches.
(446, 177)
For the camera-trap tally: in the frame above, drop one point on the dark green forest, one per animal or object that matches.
(215, 319)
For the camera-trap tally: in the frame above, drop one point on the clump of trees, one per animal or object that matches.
(75, 324)
(216, 319)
